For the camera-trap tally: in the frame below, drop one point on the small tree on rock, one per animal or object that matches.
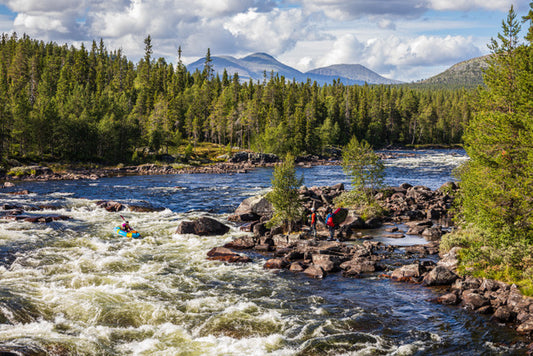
(366, 172)
(284, 196)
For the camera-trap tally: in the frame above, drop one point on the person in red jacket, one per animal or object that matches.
(312, 219)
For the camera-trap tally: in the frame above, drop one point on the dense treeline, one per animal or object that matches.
(496, 200)
(67, 103)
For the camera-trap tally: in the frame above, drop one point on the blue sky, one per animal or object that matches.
(400, 39)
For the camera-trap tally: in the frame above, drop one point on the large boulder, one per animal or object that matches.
(407, 272)
(314, 272)
(258, 205)
(202, 226)
(328, 263)
(440, 275)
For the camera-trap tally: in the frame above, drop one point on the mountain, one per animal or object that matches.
(467, 74)
(256, 65)
(354, 72)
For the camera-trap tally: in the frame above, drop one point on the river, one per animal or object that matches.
(73, 287)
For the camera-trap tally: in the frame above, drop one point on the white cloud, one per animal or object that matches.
(302, 33)
(468, 5)
(274, 31)
(40, 23)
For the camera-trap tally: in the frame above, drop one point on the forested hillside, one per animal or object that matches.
(92, 104)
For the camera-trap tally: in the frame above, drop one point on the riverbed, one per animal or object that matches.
(73, 287)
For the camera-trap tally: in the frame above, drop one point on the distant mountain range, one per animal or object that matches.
(256, 65)
(466, 74)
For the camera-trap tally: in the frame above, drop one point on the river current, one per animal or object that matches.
(74, 288)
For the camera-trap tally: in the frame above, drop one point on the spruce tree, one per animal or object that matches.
(284, 196)
(497, 182)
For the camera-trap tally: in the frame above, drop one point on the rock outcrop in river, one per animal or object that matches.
(418, 211)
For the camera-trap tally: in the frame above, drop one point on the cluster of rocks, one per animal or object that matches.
(29, 213)
(413, 203)
(114, 206)
(419, 209)
(503, 302)
(423, 211)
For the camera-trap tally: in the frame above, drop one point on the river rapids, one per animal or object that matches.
(75, 288)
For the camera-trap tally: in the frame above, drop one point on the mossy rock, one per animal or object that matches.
(29, 171)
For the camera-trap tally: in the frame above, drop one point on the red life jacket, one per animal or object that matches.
(313, 218)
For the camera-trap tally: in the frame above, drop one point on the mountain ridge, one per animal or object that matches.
(254, 66)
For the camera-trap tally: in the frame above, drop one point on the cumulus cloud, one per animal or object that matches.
(306, 33)
(274, 31)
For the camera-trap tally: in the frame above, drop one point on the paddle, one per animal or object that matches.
(132, 229)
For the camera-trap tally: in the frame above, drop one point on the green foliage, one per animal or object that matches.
(365, 169)
(93, 105)
(189, 151)
(496, 196)
(284, 195)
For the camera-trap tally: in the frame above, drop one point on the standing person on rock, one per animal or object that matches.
(312, 219)
(330, 224)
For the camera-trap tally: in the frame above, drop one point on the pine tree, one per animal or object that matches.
(497, 182)
(284, 196)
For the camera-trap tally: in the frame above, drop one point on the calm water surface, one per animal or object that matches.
(72, 287)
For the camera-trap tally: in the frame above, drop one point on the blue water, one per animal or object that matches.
(75, 287)
(222, 193)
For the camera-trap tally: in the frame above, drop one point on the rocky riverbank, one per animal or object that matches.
(413, 211)
(239, 162)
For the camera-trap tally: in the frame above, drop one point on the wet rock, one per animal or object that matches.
(416, 230)
(314, 272)
(226, 255)
(432, 233)
(448, 299)
(276, 263)
(327, 263)
(20, 192)
(469, 283)
(144, 208)
(242, 243)
(416, 250)
(407, 272)
(473, 301)
(359, 266)
(526, 327)
(503, 314)
(440, 275)
(111, 206)
(203, 226)
(296, 267)
(394, 236)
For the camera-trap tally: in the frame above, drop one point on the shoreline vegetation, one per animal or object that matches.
(210, 158)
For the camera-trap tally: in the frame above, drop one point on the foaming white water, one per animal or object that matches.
(74, 287)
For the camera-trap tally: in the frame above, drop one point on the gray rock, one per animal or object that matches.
(407, 272)
(202, 226)
(254, 205)
(440, 275)
(315, 272)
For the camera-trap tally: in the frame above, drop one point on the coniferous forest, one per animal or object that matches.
(61, 103)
